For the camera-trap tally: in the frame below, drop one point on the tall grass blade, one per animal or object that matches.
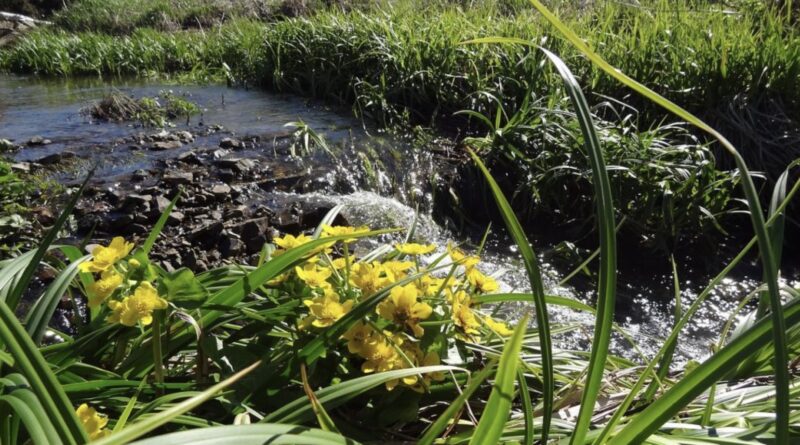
(138, 429)
(255, 434)
(159, 226)
(537, 288)
(436, 428)
(768, 258)
(498, 407)
(29, 361)
(645, 423)
(607, 276)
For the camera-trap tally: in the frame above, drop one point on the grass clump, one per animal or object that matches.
(148, 111)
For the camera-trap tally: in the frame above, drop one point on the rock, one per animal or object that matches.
(230, 245)
(190, 157)
(237, 165)
(56, 158)
(178, 178)
(140, 175)
(21, 167)
(121, 222)
(38, 140)
(226, 175)
(185, 136)
(158, 205)
(221, 192)
(6, 145)
(288, 222)
(166, 145)
(175, 218)
(134, 201)
(235, 213)
(162, 135)
(206, 233)
(231, 143)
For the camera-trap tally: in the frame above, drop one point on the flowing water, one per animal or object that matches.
(382, 181)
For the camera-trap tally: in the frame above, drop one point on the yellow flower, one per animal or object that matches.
(343, 230)
(465, 319)
(134, 263)
(137, 308)
(326, 310)
(380, 355)
(429, 286)
(100, 290)
(314, 276)
(339, 263)
(482, 283)
(415, 249)
(403, 308)
(289, 242)
(396, 270)
(105, 257)
(430, 359)
(459, 297)
(359, 337)
(497, 326)
(368, 277)
(458, 256)
(92, 422)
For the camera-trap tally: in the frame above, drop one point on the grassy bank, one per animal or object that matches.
(407, 65)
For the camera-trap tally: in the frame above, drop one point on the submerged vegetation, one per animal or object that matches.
(148, 111)
(349, 335)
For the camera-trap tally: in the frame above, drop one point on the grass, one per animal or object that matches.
(148, 111)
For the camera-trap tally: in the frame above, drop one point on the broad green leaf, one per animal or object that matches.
(182, 285)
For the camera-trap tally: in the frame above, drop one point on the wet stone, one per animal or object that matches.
(178, 178)
(175, 218)
(221, 192)
(226, 175)
(230, 245)
(140, 175)
(237, 165)
(231, 143)
(21, 167)
(38, 140)
(6, 145)
(166, 145)
(185, 136)
(190, 157)
(56, 158)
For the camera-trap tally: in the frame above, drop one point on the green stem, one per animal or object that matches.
(158, 359)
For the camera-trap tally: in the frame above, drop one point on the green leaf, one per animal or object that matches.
(255, 434)
(537, 287)
(42, 312)
(182, 285)
(142, 427)
(493, 420)
(299, 410)
(43, 382)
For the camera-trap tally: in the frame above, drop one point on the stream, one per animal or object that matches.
(383, 181)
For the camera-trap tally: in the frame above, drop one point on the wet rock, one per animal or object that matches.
(185, 136)
(165, 145)
(226, 175)
(230, 245)
(21, 167)
(221, 192)
(135, 201)
(158, 204)
(237, 165)
(231, 143)
(288, 222)
(140, 175)
(56, 158)
(178, 178)
(175, 218)
(235, 213)
(6, 145)
(137, 229)
(207, 233)
(38, 140)
(121, 222)
(190, 157)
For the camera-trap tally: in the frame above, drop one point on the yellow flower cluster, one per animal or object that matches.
(132, 308)
(391, 336)
(93, 423)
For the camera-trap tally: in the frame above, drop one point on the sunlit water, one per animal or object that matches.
(393, 192)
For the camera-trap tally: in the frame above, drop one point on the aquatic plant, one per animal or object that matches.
(148, 111)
